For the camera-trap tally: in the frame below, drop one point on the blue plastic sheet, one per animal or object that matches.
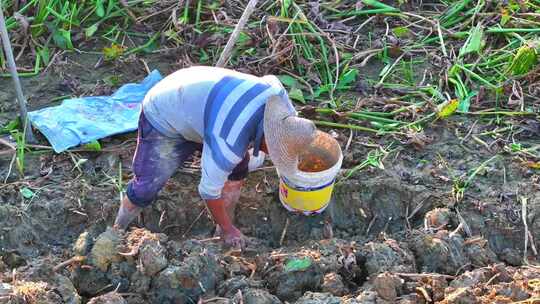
(82, 120)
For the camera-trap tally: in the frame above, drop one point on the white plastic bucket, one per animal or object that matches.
(311, 192)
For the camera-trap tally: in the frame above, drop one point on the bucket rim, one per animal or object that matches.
(335, 167)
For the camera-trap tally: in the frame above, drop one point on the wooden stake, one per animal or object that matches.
(226, 54)
(16, 82)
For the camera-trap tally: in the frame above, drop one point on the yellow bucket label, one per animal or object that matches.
(305, 200)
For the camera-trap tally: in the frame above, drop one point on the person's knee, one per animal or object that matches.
(141, 196)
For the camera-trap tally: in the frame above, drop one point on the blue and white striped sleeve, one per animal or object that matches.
(213, 176)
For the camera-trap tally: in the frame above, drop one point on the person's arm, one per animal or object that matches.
(218, 209)
(229, 233)
(218, 195)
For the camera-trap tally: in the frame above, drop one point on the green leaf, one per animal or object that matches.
(454, 71)
(401, 31)
(11, 126)
(321, 90)
(62, 39)
(505, 17)
(93, 145)
(90, 31)
(524, 61)
(203, 56)
(44, 54)
(112, 80)
(151, 47)
(243, 39)
(27, 193)
(516, 147)
(59, 40)
(288, 81)
(347, 78)
(286, 4)
(100, 10)
(113, 52)
(67, 35)
(378, 4)
(183, 20)
(465, 103)
(110, 6)
(447, 108)
(346, 56)
(475, 42)
(297, 94)
(435, 93)
(385, 69)
(298, 264)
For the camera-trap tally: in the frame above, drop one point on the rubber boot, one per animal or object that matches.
(126, 214)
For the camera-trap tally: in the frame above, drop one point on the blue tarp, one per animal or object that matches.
(82, 120)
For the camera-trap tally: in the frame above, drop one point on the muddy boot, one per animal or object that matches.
(126, 214)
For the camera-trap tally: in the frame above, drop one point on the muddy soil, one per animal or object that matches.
(396, 235)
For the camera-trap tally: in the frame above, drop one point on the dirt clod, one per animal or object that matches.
(444, 252)
(151, 252)
(461, 296)
(511, 256)
(65, 287)
(39, 280)
(109, 298)
(368, 297)
(387, 256)
(83, 244)
(105, 249)
(291, 284)
(333, 283)
(5, 289)
(231, 286)
(13, 259)
(139, 282)
(318, 298)
(259, 296)
(89, 281)
(388, 286)
(437, 218)
(438, 285)
(34, 293)
(197, 274)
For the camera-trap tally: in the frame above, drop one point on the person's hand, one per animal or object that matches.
(233, 237)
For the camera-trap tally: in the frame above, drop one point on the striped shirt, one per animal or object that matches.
(220, 108)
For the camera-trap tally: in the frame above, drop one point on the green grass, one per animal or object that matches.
(461, 184)
(55, 24)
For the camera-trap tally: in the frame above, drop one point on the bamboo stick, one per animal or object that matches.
(29, 136)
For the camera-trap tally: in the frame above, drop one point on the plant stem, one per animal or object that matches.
(507, 113)
(495, 30)
(353, 127)
(366, 12)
